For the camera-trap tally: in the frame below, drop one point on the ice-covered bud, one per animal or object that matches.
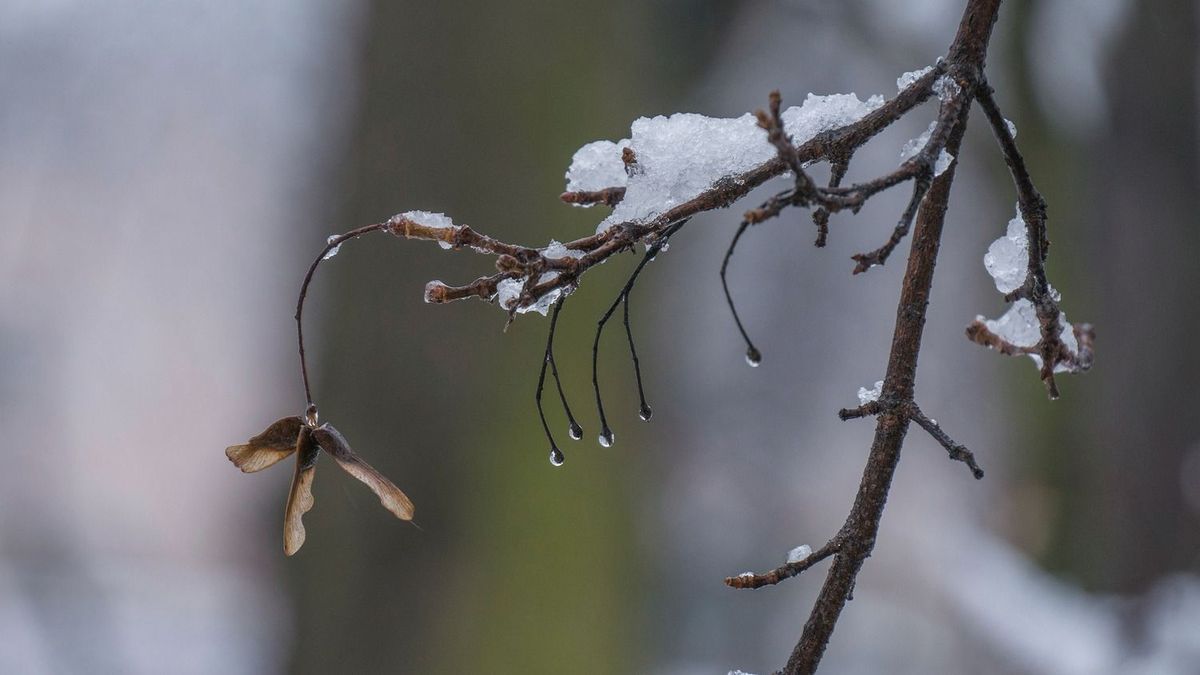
(799, 553)
(422, 224)
(507, 263)
(436, 292)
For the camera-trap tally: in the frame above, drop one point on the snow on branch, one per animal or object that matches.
(674, 167)
(1034, 325)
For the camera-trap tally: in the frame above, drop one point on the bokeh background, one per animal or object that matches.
(167, 170)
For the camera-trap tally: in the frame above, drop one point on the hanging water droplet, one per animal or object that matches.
(753, 357)
(556, 457)
(645, 413)
(575, 431)
(607, 438)
(310, 415)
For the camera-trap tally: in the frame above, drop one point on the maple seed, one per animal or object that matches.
(295, 434)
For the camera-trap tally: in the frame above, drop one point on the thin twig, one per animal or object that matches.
(606, 434)
(837, 171)
(1049, 348)
(957, 451)
(753, 356)
(644, 410)
(749, 580)
(330, 245)
(922, 169)
(868, 409)
(556, 455)
(523, 261)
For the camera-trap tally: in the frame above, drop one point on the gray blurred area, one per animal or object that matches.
(167, 171)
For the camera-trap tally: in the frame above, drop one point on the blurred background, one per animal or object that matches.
(167, 171)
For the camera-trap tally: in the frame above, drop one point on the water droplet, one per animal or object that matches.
(310, 415)
(575, 431)
(645, 413)
(556, 457)
(753, 357)
(607, 438)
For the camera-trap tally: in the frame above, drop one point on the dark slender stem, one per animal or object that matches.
(651, 252)
(956, 451)
(784, 572)
(858, 534)
(837, 171)
(329, 246)
(880, 255)
(644, 410)
(548, 359)
(752, 353)
(576, 431)
(1036, 289)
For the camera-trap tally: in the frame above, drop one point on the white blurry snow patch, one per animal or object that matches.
(745, 575)
(865, 395)
(434, 220)
(799, 553)
(1012, 128)
(905, 81)
(1007, 258)
(739, 672)
(596, 166)
(683, 155)
(915, 145)
(1043, 624)
(333, 251)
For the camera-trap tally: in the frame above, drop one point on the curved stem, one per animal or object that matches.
(651, 252)
(329, 246)
(752, 353)
(644, 410)
(548, 360)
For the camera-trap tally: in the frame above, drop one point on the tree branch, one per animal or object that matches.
(541, 278)
(858, 534)
(1050, 348)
